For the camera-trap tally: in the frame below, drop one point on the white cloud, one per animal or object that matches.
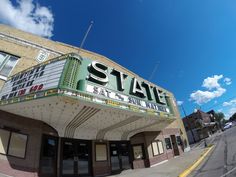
(201, 97)
(229, 108)
(227, 81)
(27, 16)
(230, 112)
(230, 103)
(179, 103)
(212, 82)
(213, 90)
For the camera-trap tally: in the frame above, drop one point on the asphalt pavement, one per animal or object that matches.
(222, 161)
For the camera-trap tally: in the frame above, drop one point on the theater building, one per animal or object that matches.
(64, 113)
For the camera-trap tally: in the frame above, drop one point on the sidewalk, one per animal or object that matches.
(209, 140)
(171, 168)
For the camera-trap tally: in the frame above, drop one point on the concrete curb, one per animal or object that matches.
(187, 171)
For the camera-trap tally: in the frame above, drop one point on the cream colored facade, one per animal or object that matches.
(28, 47)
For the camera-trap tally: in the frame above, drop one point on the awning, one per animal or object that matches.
(53, 92)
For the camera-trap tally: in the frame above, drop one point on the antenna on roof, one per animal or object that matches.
(153, 71)
(85, 36)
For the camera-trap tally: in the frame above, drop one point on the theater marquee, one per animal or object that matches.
(83, 78)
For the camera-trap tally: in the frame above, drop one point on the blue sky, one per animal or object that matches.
(192, 43)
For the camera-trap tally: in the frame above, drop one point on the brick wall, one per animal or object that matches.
(27, 167)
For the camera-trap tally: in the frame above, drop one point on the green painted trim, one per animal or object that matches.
(70, 73)
(70, 81)
(10, 101)
(60, 93)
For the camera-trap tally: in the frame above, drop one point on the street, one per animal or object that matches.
(222, 161)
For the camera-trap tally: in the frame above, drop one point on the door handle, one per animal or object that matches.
(76, 158)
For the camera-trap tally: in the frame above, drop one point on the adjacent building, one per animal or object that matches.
(64, 113)
(200, 125)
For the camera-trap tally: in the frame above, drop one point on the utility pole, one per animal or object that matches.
(190, 127)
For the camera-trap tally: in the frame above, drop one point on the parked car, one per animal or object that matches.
(228, 125)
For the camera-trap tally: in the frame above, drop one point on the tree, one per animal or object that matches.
(219, 117)
(233, 117)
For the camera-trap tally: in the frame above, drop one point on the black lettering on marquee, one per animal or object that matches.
(108, 93)
(120, 77)
(119, 97)
(95, 90)
(159, 95)
(41, 73)
(134, 101)
(102, 92)
(136, 88)
(4, 97)
(98, 73)
(148, 90)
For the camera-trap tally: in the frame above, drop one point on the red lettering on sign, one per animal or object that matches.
(36, 88)
(21, 92)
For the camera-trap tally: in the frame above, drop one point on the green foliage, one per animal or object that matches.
(233, 117)
(219, 117)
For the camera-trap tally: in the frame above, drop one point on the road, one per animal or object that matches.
(222, 161)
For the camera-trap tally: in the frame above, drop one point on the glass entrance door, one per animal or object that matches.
(175, 145)
(83, 158)
(76, 157)
(119, 153)
(48, 158)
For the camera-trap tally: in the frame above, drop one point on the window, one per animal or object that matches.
(17, 145)
(13, 143)
(179, 140)
(7, 63)
(138, 152)
(168, 143)
(101, 152)
(4, 138)
(160, 147)
(157, 147)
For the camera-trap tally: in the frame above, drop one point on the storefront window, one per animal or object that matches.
(7, 63)
(168, 143)
(17, 145)
(138, 152)
(157, 147)
(101, 152)
(12, 143)
(160, 147)
(179, 141)
(4, 138)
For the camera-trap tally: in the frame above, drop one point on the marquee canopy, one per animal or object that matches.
(86, 99)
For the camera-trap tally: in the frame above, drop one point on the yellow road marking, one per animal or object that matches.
(195, 164)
